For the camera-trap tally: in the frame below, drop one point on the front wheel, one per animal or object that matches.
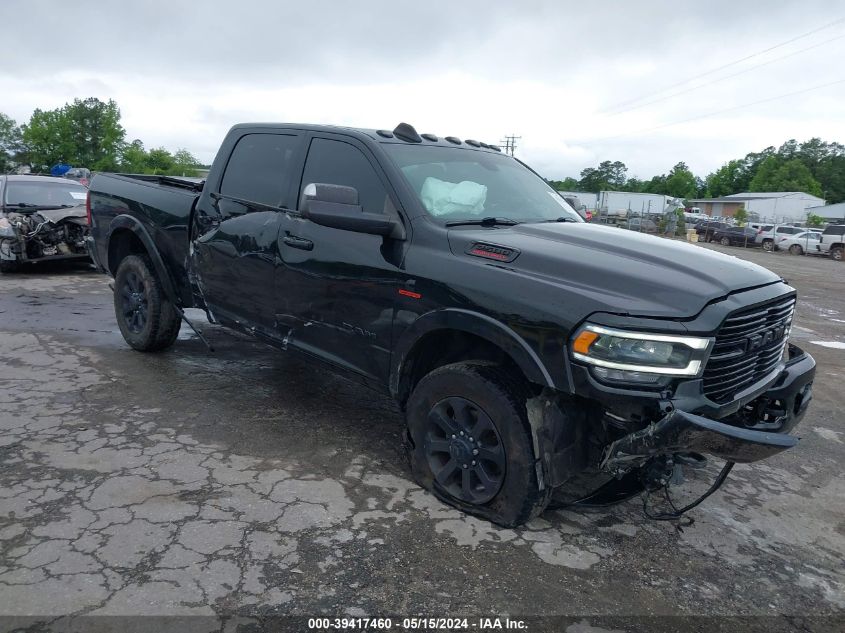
(768, 246)
(472, 444)
(726, 241)
(148, 321)
(836, 253)
(796, 249)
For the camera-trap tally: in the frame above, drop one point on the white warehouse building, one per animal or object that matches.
(771, 206)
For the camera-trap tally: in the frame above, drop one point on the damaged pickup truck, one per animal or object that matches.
(41, 219)
(530, 351)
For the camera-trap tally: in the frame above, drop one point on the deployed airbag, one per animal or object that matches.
(441, 197)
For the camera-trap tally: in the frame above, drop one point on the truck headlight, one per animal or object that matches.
(639, 356)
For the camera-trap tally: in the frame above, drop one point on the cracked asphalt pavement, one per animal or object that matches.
(247, 482)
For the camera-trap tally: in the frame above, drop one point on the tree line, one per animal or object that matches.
(85, 133)
(815, 167)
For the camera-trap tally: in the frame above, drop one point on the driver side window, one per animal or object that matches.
(339, 163)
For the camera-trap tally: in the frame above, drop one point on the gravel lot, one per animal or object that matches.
(245, 482)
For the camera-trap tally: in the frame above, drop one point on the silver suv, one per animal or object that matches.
(833, 241)
(769, 235)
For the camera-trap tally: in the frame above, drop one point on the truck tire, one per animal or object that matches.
(147, 320)
(7, 266)
(471, 444)
(768, 246)
(836, 253)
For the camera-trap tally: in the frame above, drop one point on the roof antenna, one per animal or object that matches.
(406, 132)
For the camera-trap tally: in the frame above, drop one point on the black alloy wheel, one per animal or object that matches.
(135, 302)
(464, 450)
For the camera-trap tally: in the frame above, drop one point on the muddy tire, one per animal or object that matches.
(768, 246)
(147, 320)
(725, 241)
(836, 253)
(471, 444)
(796, 249)
(7, 266)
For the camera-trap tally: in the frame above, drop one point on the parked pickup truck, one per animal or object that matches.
(528, 349)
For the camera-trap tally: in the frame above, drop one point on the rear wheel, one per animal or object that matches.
(796, 249)
(725, 241)
(472, 444)
(836, 253)
(147, 319)
(768, 246)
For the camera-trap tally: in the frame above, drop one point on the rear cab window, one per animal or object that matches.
(259, 169)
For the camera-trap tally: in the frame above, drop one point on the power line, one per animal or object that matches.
(718, 79)
(510, 143)
(728, 65)
(709, 114)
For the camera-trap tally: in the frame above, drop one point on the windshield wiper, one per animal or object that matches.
(562, 218)
(483, 222)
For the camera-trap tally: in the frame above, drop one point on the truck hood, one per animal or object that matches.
(621, 271)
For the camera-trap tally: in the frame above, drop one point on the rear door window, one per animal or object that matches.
(835, 229)
(259, 169)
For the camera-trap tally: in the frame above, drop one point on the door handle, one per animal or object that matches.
(295, 241)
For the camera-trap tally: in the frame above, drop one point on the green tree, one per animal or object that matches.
(159, 161)
(729, 178)
(10, 142)
(608, 176)
(133, 158)
(775, 174)
(567, 184)
(184, 163)
(85, 133)
(741, 216)
(814, 220)
(681, 182)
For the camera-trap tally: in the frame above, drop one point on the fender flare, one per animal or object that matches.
(124, 221)
(475, 323)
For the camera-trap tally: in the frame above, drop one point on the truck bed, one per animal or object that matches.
(160, 206)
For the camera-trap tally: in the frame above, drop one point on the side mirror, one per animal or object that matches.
(336, 206)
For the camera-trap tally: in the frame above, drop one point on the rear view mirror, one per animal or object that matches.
(336, 206)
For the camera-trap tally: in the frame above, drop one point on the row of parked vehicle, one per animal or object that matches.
(772, 237)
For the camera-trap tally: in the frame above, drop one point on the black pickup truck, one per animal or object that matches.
(530, 351)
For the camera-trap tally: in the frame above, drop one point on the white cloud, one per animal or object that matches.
(182, 73)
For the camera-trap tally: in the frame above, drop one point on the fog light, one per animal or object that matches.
(618, 375)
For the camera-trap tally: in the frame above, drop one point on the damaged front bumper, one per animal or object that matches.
(757, 431)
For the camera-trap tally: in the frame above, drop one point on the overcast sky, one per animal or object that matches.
(551, 72)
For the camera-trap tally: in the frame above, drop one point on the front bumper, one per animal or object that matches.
(757, 430)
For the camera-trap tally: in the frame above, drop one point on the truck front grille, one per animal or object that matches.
(749, 345)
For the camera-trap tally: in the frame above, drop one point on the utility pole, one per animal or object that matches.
(510, 143)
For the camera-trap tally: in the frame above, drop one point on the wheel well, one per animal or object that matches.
(444, 347)
(123, 243)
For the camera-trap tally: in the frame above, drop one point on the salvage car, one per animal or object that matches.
(800, 243)
(41, 218)
(530, 351)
